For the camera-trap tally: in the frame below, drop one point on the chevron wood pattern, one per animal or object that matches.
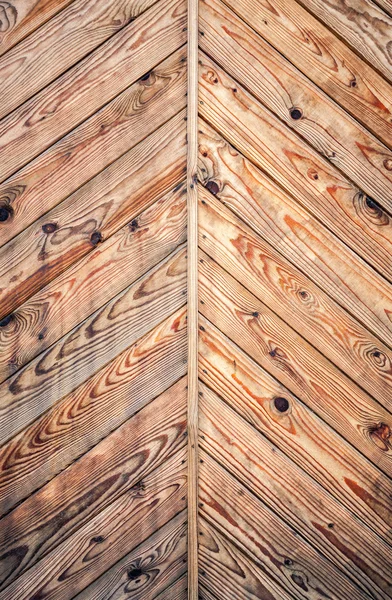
(195, 300)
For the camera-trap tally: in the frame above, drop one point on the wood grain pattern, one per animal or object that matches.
(227, 570)
(72, 426)
(93, 82)
(147, 570)
(177, 591)
(69, 36)
(292, 231)
(121, 526)
(192, 298)
(324, 59)
(97, 279)
(308, 509)
(286, 291)
(278, 85)
(93, 146)
(18, 18)
(362, 25)
(296, 364)
(296, 431)
(275, 547)
(93, 213)
(85, 349)
(114, 466)
(361, 224)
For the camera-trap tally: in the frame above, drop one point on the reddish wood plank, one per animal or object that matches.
(362, 25)
(298, 366)
(67, 503)
(106, 538)
(93, 213)
(91, 282)
(292, 231)
(226, 570)
(357, 220)
(296, 430)
(92, 146)
(282, 88)
(144, 573)
(327, 61)
(21, 17)
(286, 291)
(93, 82)
(275, 547)
(353, 548)
(69, 36)
(75, 424)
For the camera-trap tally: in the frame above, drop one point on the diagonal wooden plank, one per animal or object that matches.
(75, 424)
(362, 25)
(19, 18)
(386, 5)
(96, 80)
(298, 432)
(291, 230)
(85, 349)
(284, 556)
(286, 291)
(92, 146)
(299, 367)
(121, 526)
(146, 571)
(353, 548)
(177, 591)
(324, 58)
(91, 282)
(227, 570)
(356, 219)
(69, 36)
(93, 213)
(47, 518)
(283, 89)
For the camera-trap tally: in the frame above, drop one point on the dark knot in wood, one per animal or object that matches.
(4, 322)
(134, 574)
(49, 227)
(96, 237)
(295, 113)
(281, 404)
(5, 213)
(213, 187)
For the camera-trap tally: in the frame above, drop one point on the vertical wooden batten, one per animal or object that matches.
(193, 592)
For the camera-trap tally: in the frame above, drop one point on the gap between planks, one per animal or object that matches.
(192, 157)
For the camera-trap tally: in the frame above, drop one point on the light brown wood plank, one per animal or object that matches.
(107, 537)
(94, 280)
(362, 25)
(146, 571)
(69, 36)
(192, 298)
(177, 591)
(93, 213)
(226, 570)
(75, 424)
(311, 511)
(238, 515)
(322, 57)
(92, 146)
(85, 349)
(296, 364)
(21, 17)
(291, 230)
(115, 466)
(96, 80)
(283, 89)
(300, 303)
(359, 222)
(300, 434)
(386, 5)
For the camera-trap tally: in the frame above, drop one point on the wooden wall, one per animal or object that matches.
(295, 267)
(133, 354)
(93, 299)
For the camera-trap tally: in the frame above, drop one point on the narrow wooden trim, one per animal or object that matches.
(193, 592)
